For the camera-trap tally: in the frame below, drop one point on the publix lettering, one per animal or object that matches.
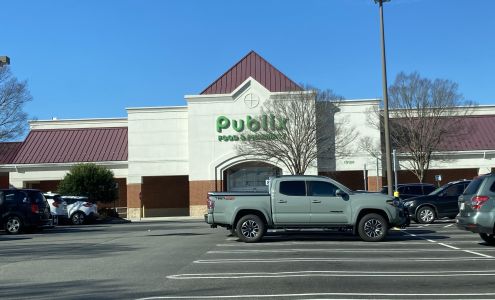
(265, 122)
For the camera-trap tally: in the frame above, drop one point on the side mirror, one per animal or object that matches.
(340, 193)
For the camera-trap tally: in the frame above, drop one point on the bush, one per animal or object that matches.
(95, 182)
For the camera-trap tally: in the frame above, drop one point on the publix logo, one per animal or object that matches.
(250, 127)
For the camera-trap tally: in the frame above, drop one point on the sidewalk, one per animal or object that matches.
(158, 219)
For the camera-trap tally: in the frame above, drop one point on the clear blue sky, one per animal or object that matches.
(94, 58)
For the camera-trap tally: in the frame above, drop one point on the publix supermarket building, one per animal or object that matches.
(166, 159)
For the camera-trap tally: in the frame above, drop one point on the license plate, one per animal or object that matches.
(462, 206)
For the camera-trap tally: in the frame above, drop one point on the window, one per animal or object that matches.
(321, 188)
(9, 197)
(36, 197)
(293, 188)
(472, 188)
(454, 190)
(20, 197)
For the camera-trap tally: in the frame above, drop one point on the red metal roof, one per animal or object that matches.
(257, 67)
(8, 151)
(73, 145)
(478, 134)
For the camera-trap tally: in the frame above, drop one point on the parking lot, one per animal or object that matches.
(185, 259)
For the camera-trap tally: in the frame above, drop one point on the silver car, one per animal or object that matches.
(477, 208)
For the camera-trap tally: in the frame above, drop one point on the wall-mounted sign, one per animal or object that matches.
(270, 124)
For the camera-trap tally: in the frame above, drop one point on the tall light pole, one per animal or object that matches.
(385, 102)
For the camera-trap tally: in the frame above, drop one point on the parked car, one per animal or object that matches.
(23, 210)
(80, 210)
(408, 190)
(58, 207)
(477, 208)
(440, 203)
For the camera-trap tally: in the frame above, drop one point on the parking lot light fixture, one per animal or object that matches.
(385, 102)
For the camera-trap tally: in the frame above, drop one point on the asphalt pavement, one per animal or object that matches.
(185, 259)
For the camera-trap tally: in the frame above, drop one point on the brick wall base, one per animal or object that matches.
(133, 213)
(197, 210)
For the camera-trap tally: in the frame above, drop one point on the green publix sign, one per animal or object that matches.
(269, 124)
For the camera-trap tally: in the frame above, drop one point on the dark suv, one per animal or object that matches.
(477, 208)
(23, 210)
(408, 190)
(440, 203)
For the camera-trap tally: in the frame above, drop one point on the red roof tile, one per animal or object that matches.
(257, 67)
(8, 151)
(73, 145)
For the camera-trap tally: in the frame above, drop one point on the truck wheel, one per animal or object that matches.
(250, 228)
(372, 228)
(488, 238)
(425, 215)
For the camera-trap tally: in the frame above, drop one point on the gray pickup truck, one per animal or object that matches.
(297, 202)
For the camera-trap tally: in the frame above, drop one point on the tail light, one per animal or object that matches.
(478, 201)
(34, 208)
(88, 204)
(210, 203)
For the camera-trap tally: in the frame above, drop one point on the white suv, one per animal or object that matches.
(58, 207)
(80, 210)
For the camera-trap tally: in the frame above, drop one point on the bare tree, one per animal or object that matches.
(424, 115)
(13, 95)
(307, 130)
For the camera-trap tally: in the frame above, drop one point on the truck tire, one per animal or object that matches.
(372, 228)
(250, 228)
(488, 238)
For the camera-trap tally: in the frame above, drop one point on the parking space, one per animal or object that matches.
(434, 261)
(185, 259)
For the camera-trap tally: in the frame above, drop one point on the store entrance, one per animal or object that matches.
(249, 177)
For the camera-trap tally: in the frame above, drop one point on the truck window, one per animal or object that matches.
(321, 188)
(293, 188)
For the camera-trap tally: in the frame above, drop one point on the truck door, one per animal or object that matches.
(326, 206)
(290, 203)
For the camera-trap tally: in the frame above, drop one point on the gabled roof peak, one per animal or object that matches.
(255, 66)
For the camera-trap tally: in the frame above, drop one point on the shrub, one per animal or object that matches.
(90, 180)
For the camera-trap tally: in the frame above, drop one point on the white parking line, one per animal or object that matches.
(331, 274)
(448, 225)
(324, 259)
(345, 295)
(333, 250)
(452, 247)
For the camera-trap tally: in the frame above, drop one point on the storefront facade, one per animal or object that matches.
(166, 159)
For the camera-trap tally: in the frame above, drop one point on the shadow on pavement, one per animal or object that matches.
(78, 289)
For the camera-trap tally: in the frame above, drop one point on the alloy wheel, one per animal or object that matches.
(373, 228)
(426, 215)
(13, 225)
(250, 229)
